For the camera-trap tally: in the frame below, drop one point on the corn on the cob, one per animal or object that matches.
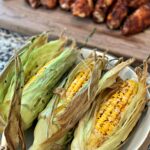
(46, 125)
(38, 90)
(46, 81)
(75, 90)
(110, 112)
(113, 116)
(75, 86)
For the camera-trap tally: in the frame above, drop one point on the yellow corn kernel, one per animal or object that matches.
(111, 127)
(81, 78)
(109, 114)
(113, 102)
(105, 128)
(119, 105)
(114, 115)
(110, 108)
(33, 78)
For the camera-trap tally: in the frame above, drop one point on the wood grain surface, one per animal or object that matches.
(18, 16)
(146, 144)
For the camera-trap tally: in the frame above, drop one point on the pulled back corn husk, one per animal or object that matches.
(84, 133)
(44, 64)
(14, 125)
(53, 128)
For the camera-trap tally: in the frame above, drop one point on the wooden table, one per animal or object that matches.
(18, 16)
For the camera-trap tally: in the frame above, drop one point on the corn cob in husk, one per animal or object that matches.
(42, 87)
(8, 73)
(43, 66)
(113, 116)
(64, 111)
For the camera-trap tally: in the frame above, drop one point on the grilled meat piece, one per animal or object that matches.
(101, 9)
(82, 8)
(49, 3)
(138, 21)
(117, 15)
(33, 3)
(66, 4)
(136, 3)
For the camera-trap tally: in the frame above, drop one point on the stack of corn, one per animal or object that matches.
(69, 100)
(104, 108)
(108, 124)
(75, 98)
(44, 63)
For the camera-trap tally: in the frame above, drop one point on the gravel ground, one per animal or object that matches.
(9, 41)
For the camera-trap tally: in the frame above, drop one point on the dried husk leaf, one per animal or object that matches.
(2, 124)
(128, 120)
(110, 76)
(13, 133)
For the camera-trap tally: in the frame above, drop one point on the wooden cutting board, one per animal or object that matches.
(18, 16)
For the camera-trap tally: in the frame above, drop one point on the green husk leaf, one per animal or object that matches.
(13, 133)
